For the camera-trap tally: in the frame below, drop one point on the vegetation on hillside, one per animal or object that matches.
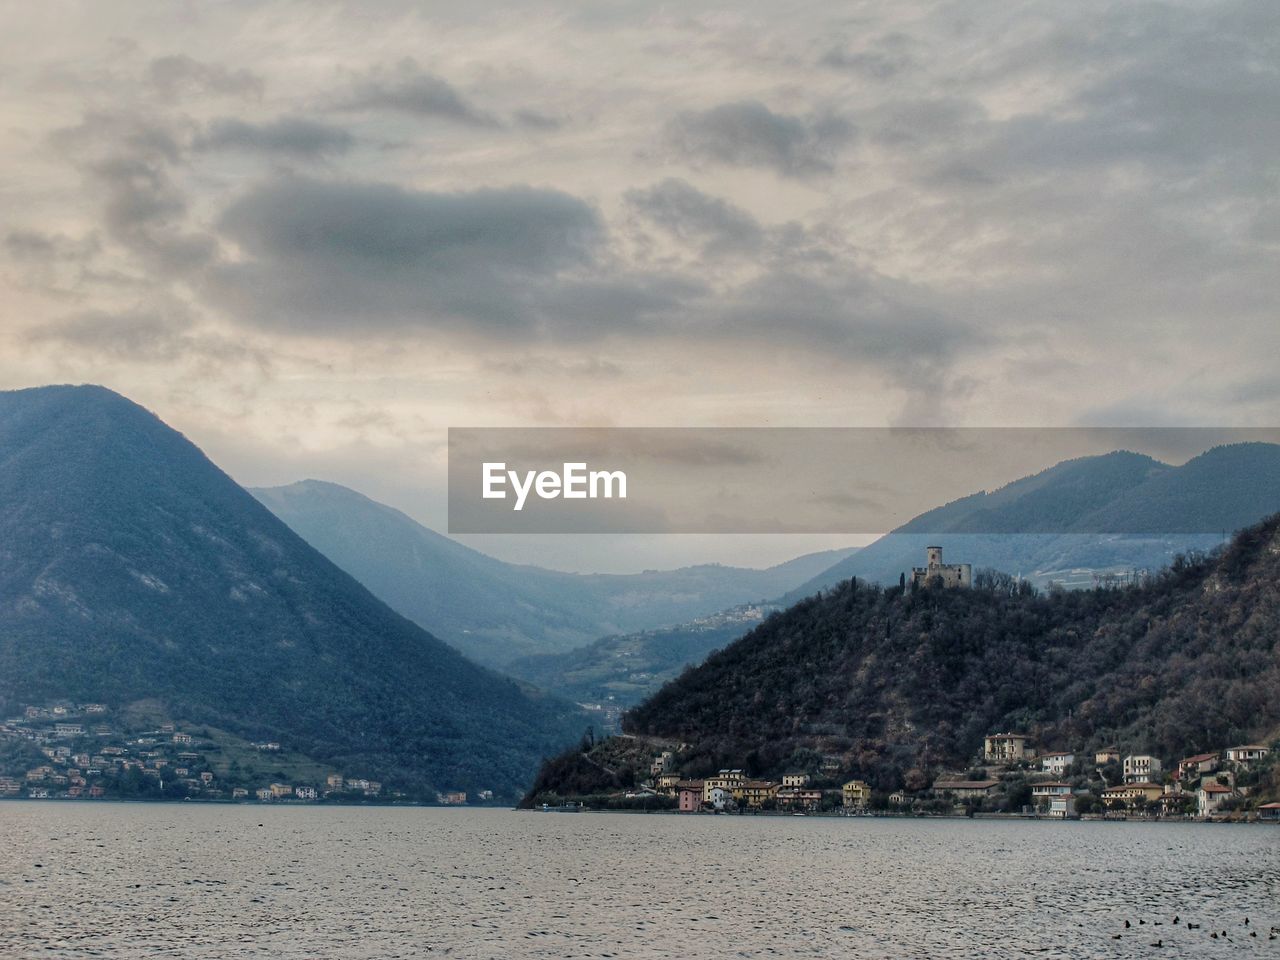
(899, 686)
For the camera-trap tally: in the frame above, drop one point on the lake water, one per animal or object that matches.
(117, 880)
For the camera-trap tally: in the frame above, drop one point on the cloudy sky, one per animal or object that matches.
(314, 235)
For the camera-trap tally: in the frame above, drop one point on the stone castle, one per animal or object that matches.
(935, 572)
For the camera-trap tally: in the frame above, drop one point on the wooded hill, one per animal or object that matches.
(900, 686)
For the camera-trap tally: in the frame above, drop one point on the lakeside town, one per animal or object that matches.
(70, 751)
(1011, 777)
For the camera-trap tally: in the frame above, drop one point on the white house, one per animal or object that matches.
(1141, 768)
(1247, 754)
(1057, 763)
(1211, 796)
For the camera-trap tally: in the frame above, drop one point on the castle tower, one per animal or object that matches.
(935, 556)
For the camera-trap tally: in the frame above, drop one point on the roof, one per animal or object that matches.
(1050, 783)
(1250, 746)
(690, 784)
(1270, 806)
(1216, 788)
(1199, 758)
(964, 784)
(1020, 736)
(1061, 753)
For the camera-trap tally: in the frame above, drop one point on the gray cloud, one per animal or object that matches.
(180, 76)
(407, 88)
(884, 59)
(746, 133)
(692, 216)
(363, 255)
(294, 137)
(128, 159)
(536, 120)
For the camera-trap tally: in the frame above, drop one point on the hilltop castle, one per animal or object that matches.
(935, 572)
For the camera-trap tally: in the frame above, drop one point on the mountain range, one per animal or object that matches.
(133, 569)
(497, 612)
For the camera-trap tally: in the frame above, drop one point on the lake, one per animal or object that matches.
(157, 880)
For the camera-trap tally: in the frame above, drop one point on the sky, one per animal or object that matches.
(313, 236)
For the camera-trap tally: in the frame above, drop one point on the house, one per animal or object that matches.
(963, 789)
(1250, 753)
(667, 783)
(1043, 791)
(937, 573)
(453, 798)
(724, 780)
(719, 797)
(265, 794)
(1057, 763)
(1107, 755)
(1007, 747)
(183, 738)
(1193, 768)
(795, 779)
(690, 793)
(1062, 808)
(304, 793)
(1269, 811)
(1141, 768)
(1175, 803)
(1212, 796)
(9, 786)
(855, 794)
(206, 777)
(1132, 794)
(754, 793)
(661, 763)
(799, 798)
(899, 799)
(67, 729)
(279, 790)
(96, 792)
(239, 793)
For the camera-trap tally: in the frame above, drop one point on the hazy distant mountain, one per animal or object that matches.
(132, 568)
(496, 612)
(1222, 490)
(617, 672)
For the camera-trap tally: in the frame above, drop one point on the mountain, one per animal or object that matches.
(496, 612)
(133, 569)
(896, 687)
(617, 672)
(1116, 512)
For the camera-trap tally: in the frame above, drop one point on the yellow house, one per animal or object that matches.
(1129, 793)
(856, 794)
(1008, 747)
(667, 783)
(755, 792)
(729, 780)
(795, 779)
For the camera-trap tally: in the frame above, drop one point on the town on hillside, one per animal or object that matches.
(71, 751)
(1011, 777)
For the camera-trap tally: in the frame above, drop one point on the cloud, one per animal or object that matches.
(746, 133)
(179, 76)
(294, 137)
(690, 215)
(409, 89)
(535, 120)
(334, 255)
(884, 59)
(127, 158)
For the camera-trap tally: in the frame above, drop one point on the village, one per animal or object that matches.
(1009, 778)
(86, 755)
